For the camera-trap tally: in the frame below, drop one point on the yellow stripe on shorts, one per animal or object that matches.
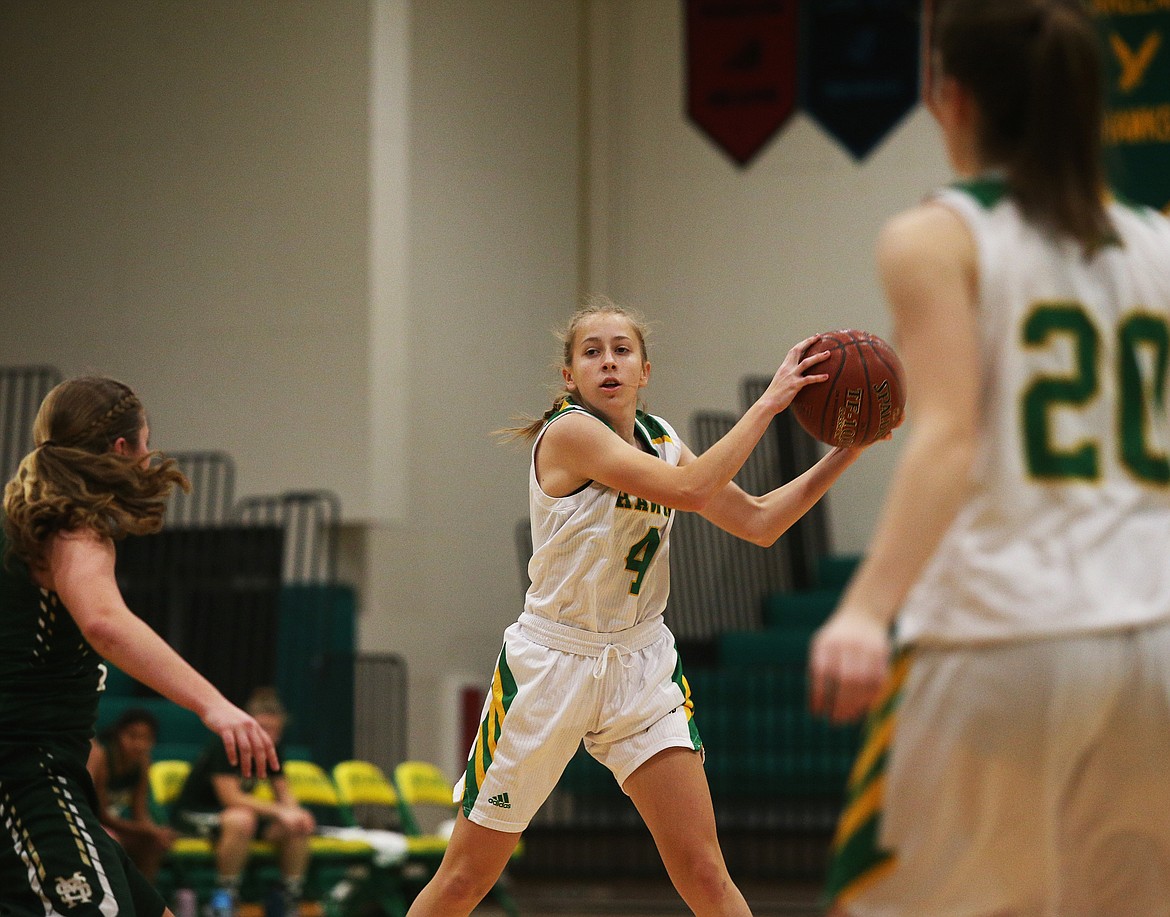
(858, 860)
(502, 692)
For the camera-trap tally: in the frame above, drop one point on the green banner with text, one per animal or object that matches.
(1136, 35)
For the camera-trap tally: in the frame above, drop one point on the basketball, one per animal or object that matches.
(864, 397)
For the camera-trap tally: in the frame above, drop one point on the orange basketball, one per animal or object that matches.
(864, 397)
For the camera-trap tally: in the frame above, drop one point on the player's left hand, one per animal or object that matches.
(245, 742)
(795, 373)
(848, 664)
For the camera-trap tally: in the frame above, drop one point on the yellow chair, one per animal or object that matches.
(368, 801)
(424, 802)
(332, 859)
(364, 784)
(428, 810)
(312, 788)
(166, 779)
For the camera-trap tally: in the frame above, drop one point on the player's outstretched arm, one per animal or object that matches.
(591, 452)
(927, 264)
(763, 519)
(83, 576)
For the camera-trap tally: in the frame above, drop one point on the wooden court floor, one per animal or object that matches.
(645, 898)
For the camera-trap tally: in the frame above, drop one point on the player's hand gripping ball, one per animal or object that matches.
(865, 396)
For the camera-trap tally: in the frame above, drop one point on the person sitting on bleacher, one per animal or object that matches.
(118, 763)
(217, 802)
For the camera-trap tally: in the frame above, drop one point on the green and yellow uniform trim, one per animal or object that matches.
(503, 691)
(655, 431)
(857, 859)
(688, 703)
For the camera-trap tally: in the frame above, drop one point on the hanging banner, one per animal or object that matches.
(1136, 36)
(860, 67)
(741, 70)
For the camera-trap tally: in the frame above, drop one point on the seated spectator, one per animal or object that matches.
(119, 760)
(218, 803)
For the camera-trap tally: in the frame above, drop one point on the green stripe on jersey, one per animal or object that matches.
(988, 190)
(657, 431)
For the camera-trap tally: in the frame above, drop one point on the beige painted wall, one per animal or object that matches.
(184, 206)
(492, 240)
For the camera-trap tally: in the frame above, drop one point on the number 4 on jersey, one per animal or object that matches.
(638, 560)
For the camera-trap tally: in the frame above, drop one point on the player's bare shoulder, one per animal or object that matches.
(76, 550)
(932, 227)
(572, 430)
(927, 252)
(565, 441)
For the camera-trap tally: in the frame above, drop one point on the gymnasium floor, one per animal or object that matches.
(646, 899)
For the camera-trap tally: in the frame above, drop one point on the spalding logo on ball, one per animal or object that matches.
(864, 397)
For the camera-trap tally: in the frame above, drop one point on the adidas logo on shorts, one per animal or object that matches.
(500, 801)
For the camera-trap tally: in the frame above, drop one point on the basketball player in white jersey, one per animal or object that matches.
(1016, 759)
(590, 658)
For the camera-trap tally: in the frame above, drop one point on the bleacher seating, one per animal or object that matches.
(190, 863)
(182, 737)
(759, 692)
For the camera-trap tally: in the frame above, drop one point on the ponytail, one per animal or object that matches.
(1058, 177)
(530, 426)
(1035, 70)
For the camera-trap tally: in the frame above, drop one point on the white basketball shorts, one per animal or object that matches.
(1029, 779)
(622, 693)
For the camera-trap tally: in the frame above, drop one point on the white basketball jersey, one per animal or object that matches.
(600, 557)
(1066, 526)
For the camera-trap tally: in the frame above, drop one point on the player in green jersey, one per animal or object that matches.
(92, 478)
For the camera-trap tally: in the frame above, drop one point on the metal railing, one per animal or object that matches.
(22, 389)
(213, 490)
(309, 521)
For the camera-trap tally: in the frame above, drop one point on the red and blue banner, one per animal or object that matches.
(853, 65)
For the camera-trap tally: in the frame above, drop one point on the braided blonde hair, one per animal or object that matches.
(74, 479)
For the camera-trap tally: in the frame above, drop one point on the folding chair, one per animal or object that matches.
(428, 812)
(380, 880)
(338, 853)
(370, 801)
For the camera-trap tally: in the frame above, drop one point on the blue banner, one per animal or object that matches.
(860, 62)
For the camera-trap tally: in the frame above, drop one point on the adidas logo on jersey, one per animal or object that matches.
(500, 801)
